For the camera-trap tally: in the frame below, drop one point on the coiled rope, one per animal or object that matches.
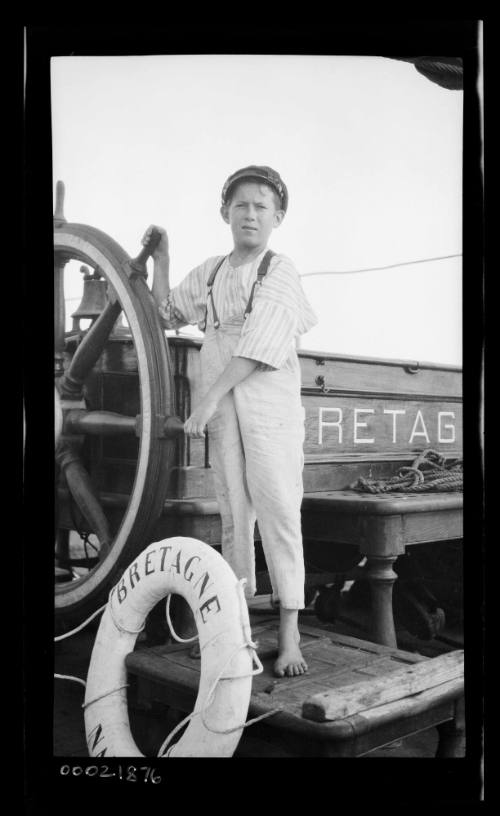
(428, 473)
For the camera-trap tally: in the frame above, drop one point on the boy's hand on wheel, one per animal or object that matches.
(195, 424)
(161, 250)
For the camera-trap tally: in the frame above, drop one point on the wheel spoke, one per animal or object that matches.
(111, 423)
(62, 556)
(89, 351)
(100, 423)
(83, 493)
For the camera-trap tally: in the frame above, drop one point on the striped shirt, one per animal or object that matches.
(280, 312)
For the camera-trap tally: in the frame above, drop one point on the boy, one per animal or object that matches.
(251, 386)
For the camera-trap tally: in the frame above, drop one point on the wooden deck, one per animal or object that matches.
(168, 675)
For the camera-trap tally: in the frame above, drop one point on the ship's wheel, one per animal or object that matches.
(99, 530)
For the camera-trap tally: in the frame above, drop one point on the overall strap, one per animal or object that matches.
(210, 283)
(261, 273)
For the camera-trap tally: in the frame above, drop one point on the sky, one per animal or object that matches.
(370, 150)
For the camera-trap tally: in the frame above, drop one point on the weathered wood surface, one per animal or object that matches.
(382, 525)
(351, 699)
(350, 373)
(382, 504)
(172, 677)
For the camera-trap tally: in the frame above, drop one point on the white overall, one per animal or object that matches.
(256, 450)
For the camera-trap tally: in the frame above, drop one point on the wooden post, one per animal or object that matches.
(452, 734)
(381, 577)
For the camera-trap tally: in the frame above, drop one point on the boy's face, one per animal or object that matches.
(252, 214)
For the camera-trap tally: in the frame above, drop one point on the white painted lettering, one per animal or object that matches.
(423, 432)
(322, 424)
(357, 412)
(394, 413)
(442, 438)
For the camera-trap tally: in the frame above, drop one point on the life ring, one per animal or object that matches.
(190, 568)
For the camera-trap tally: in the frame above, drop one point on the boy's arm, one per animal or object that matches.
(161, 262)
(161, 285)
(237, 370)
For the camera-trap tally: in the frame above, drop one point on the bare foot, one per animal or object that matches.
(290, 661)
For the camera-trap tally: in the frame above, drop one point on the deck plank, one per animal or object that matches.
(334, 661)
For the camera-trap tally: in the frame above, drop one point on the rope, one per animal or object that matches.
(118, 625)
(378, 268)
(247, 644)
(78, 629)
(209, 700)
(104, 694)
(428, 472)
(69, 634)
(211, 694)
(82, 625)
(70, 677)
(172, 630)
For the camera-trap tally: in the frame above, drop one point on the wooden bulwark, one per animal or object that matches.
(364, 416)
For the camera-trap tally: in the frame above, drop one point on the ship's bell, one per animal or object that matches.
(94, 299)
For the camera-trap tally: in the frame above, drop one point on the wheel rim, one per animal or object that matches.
(79, 242)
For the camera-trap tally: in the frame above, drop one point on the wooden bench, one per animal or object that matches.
(382, 527)
(338, 666)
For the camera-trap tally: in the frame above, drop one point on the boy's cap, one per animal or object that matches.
(262, 173)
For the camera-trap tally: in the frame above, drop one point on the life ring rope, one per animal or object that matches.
(170, 626)
(163, 752)
(105, 694)
(248, 644)
(70, 677)
(121, 628)
(82, 625)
